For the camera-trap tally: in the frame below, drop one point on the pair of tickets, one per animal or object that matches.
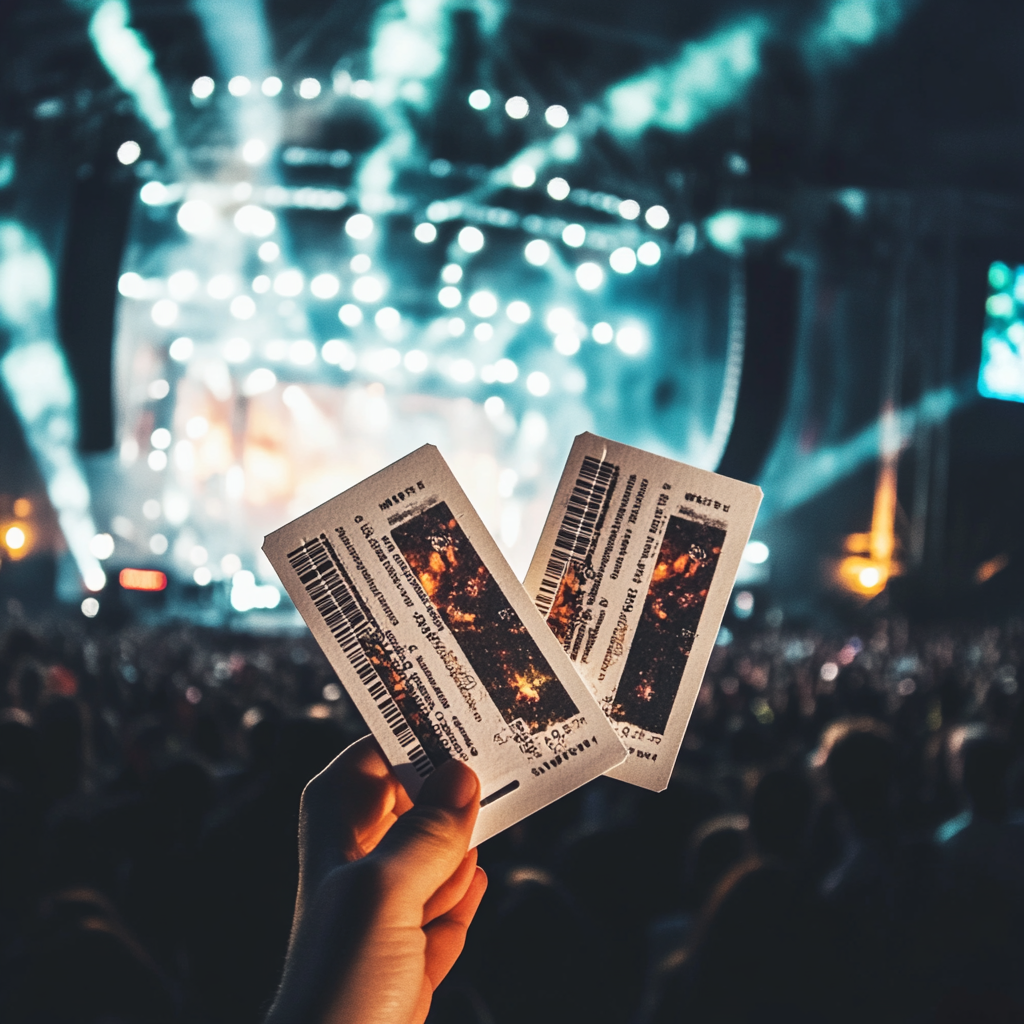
(589, 667)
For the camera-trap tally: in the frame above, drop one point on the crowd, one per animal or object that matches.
(842, 840)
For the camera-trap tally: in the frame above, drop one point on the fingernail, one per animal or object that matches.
(453, 785)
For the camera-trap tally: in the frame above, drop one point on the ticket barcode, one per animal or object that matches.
(336, 601)
(578, 528)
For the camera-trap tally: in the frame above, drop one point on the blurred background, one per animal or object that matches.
(251, 252)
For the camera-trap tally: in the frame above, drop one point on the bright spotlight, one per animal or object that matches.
(603, 333)
(254, 152)
(630, 340)
(350, 315)
(523, 176)
(649, 253)
(202, 87)
(869, 577)
(181, 350)
(102, 546)
(289, 283)
(425, 232)
(574, 235)
(271, 86)
(657, 217)
(537, 252)
(483, 304)
(518, 312)
(255, 221)
(589, 276)
(622, 260)
(359, 226)
(479, 99)
(259, 382)
(517, 107)
(164, 312)
(556, 116)
(367, 289)
(538, 384)
(558, 188)
(268, 252)
(309, 88)
(15, 538)
(129, 152)
(90, 607)
(324, 286)
(756, 552)
(196, 217)
(449, 296)
(629, 209)
(471, 239)
(239, 86)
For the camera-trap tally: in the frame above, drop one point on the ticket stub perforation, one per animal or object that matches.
(633, 574)
(437, 643)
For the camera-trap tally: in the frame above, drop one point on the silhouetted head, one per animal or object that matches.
(861, 770)
(780, 813)
(986, 765)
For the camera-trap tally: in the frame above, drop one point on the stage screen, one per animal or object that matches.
(1002, 346)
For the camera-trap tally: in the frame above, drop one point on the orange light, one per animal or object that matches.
(142, 579)
(988, 569)
(17, 538)
(23, 508)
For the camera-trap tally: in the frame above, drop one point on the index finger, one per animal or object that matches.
(350, 805)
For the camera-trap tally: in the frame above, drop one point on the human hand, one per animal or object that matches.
(387, 890)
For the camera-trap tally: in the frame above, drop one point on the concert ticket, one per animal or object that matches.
(437, 642)
(633, 573)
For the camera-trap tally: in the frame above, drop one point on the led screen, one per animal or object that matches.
(1002, 345)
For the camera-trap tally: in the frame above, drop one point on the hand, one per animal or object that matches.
(387, 890)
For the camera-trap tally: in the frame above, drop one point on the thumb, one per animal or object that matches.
(425, 847)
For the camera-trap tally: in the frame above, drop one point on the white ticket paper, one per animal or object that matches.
(633, 573)
(437, 642)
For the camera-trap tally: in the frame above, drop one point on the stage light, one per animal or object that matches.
(462, 371)
(181, 349)
(129, 152)
(589, 276)
(471, 239)
(157, 461)
(494, 406)
(574, 235)
(657, 217)
(1000, 276)
(367, 289)
(456, 327)
(560, 321)
(829, 671)
(154, 193)
(202, 87)
(247, 595)
(158, 544)
(242, 307)
(1000, 305)
(182, 285)
(255, 221)
(537, 252)
(743, 604)
(425, 232)
(649, 253)
(176, 508)
(362, 89)
(603, 333)
(538, 383)
(479, 99)
(350, 315)
(483, 304)
(359, 226)
(338, 353)
(630, 340)
(518, 312)
(523, 176)
(360, 263)
(483, 332)
(197, 427)
(22, 508)
(202, 577)
(236, 350)
(131, 285)
(381, 360)
(517, 107)
(451, 273)
(449, 297)
(261, 284)
(289, 283)
(567, 344)
(164, 312)
(199, 555)
(756, 552)
(151, 509)
(556, 116)
(230, 564)
(387, 318)
(15, 538)
(196, 217)
(158, 389)
(239, 86)
(271, 86)
(622, 260)
(558, 188)
(302, 352)
(869, 577)
(160, 438)
(309, 88)
(142, 579)
(102, 546)
(505, 371)
(222, 286)
(259, 382)
(629, 209)
(324, 286)
(416, 361)
(255, 152)
(90, 607)
(268, 252)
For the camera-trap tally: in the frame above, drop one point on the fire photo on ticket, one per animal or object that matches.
(497, 644)
(668, 624)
